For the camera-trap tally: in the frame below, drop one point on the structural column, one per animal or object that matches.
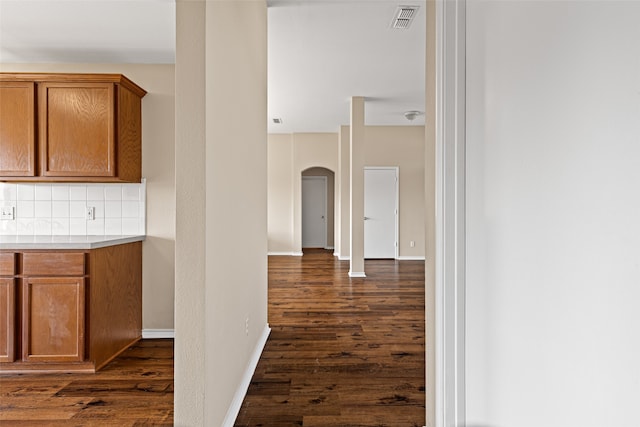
(344, 167)
(357, 187)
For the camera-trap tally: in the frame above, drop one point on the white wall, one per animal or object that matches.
(553, 243)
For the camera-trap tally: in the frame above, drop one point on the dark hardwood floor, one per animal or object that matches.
(136, 389)
(342, 352)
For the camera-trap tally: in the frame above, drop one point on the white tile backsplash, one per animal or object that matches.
(26, 191)
(60, 226)
(95, 192)
(24, 209)
(60, 209)
(113, 192)
(78, 227)
(8, 191)
(42, 209)
(95, 227)
(43, 192)
(113, 209)
(113, 226)
(78, 192)
(42, 227)
(59, 192)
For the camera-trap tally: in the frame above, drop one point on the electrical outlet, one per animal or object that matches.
(91, 213)
(246, 326)
(412, 244)
(8, 213)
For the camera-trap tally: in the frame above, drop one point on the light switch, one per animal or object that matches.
(7, 213)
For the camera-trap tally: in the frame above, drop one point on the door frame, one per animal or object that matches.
(397, 203)
(324, 180)
(449, 123)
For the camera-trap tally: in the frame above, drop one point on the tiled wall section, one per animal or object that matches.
(61, 209)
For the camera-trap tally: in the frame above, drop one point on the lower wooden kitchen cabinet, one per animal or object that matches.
(69, 310)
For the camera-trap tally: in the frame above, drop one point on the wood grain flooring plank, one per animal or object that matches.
(136, 389)
(342, 352)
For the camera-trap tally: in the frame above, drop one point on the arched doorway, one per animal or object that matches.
(318, 218)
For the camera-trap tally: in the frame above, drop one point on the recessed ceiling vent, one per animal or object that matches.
(404, 17)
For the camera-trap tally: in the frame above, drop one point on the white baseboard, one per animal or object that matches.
(284, 253)
(410, 258)
(241, 391)
(357, 274)
(344, 258)
(158, 333)
(329, 248)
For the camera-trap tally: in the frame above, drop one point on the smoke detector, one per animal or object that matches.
(411, 115)
(404, 17)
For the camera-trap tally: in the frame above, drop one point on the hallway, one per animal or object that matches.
(342, 352)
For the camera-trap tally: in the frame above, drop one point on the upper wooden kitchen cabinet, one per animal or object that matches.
(81, 127)
(17, 129)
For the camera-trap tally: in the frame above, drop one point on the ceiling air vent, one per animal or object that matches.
(404, 16)
(277, 120)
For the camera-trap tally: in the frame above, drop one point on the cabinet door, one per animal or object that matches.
(53, 319)
(17, 129)
(7, 319)
(77, 129)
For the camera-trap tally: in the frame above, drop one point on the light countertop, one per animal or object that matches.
(65, 242)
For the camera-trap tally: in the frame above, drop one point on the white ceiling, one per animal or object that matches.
(321, 52)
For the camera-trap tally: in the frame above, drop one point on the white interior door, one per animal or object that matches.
(380, 212)
(314, 211)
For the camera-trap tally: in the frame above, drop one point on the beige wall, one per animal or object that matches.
(280, 188)
(290, 154)
(221, 251)
(158, 167)
(402, 146)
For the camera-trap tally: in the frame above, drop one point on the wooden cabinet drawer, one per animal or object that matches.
(7, 264)
(53, 264)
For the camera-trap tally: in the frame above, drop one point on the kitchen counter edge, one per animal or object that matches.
(65, 242)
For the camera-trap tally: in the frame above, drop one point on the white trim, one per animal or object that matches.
(329, 248)
(336, 254)
(297, 253)
(158, 333)
(450, 213)
(410, 258)
(344, 258)
(357, 274)
(281, 253)
(241, 391)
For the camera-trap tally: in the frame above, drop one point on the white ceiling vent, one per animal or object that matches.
(404, 16)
